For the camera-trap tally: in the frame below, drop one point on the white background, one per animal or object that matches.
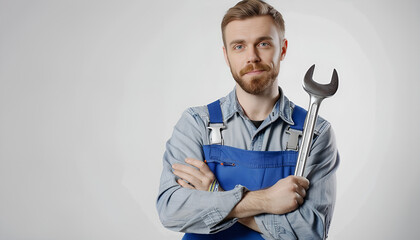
(90, 92)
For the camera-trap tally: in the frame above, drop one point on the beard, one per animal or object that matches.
(257, 84)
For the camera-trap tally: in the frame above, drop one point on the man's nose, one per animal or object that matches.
(253, 55)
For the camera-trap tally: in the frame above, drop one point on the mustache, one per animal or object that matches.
(254, 67)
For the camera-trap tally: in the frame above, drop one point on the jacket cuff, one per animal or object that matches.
(271, 228)
(226, 201)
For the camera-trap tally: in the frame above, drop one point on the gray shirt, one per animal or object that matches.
(195, 211)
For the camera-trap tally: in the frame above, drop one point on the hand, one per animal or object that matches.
(286, 195)
(283, 197)
(199, 178)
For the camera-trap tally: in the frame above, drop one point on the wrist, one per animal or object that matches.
(259, 201)
(262, 196)
(214, 186)
(252, 203)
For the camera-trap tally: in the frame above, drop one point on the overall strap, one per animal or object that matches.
(298, 116)
(215, 112)
(295, 131)
(216, 122)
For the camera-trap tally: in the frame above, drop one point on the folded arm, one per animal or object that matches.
(188, 210)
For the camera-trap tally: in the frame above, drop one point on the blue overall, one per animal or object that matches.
(253, 169)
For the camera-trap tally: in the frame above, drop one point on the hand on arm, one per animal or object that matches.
(183, 209)
(197, 176)
(283, 197)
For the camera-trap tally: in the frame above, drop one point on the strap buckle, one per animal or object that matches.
(293, 142)
(216, 133)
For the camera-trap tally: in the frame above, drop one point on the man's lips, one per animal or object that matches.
(256, 71)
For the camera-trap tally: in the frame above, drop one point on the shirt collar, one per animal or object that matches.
(283, 107)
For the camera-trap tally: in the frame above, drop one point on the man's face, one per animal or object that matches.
(253, 52)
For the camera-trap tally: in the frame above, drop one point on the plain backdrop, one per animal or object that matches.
(90, 92)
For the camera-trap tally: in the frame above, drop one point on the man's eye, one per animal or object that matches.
(238, 47)
(264, 44)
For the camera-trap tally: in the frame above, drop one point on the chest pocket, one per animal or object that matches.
(253, 169)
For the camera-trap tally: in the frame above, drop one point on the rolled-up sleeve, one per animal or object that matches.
(312, 219)
(189, 210)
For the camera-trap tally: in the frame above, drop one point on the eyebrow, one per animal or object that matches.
(258, 40)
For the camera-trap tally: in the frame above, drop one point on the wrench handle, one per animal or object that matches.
(308, 133)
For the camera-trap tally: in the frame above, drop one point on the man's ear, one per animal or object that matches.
(226, 57)
(283, 49)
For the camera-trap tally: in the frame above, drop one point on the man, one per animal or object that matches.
(228, 167)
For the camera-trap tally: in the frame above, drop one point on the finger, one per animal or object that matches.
(201, 165)
(304, 182)
(188, 169)
(193, 180)
(301, 191)
(184, 184)
(299, 199)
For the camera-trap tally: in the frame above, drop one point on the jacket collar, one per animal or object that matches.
(283, 108)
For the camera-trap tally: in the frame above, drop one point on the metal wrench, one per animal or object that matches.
(317, 92)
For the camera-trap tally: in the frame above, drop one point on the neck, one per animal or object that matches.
(258, 107)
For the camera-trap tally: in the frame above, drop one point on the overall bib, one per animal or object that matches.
(253, 169)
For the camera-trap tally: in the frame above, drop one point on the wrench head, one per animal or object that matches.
(320, 90)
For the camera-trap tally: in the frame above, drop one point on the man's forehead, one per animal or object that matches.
(251, 28)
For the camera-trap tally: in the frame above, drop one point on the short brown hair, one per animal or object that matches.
(252, 8)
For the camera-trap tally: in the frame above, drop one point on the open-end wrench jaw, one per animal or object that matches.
(320, 90)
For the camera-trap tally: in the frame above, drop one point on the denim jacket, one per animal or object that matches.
(195, 211)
